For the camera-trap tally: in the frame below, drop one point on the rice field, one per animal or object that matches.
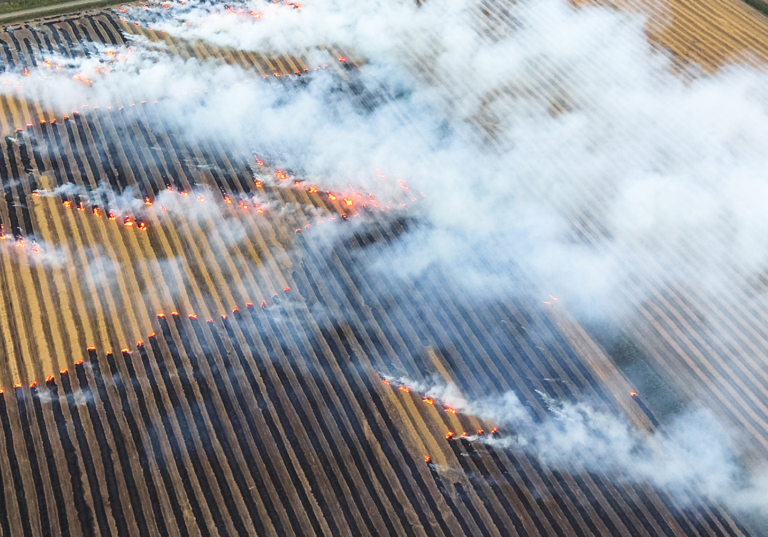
(165, 375)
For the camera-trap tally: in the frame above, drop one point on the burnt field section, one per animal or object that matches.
(272, 419)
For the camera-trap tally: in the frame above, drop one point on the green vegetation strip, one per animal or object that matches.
(34, 9)
(760, 5)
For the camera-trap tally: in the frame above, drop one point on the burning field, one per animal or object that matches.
(362, 268)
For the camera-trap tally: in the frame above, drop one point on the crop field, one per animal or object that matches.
(166, 372)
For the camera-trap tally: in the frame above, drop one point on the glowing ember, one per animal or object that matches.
(148, 202)
(279, 174)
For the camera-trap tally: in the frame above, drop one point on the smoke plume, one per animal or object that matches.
(559, 154)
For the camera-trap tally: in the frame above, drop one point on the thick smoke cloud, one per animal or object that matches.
(514, 136)
(561, 147)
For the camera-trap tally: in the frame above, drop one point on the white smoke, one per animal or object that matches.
(513, 135)
(693, 456)
(660, 165)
